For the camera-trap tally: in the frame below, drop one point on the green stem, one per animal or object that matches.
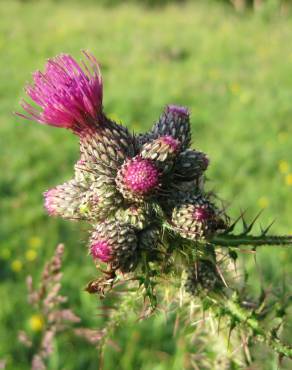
(230, 240)
(240, 315)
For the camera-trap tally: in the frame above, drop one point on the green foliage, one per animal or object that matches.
(235, 75)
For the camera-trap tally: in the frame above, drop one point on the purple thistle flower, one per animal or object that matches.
(100, 249)
(138, 177)
(69, 96)
(141, 176)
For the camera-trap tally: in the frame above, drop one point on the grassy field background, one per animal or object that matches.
(233, 71)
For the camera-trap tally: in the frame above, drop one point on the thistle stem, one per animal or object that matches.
(239, 314)
(230, 240)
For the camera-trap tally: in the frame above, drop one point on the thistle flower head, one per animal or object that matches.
(136, 215)
(137, 177)
(174, 122)
(202, 278)
(69, 96)
(162, 152)
(65, 200)
(148, 238)
(141, 176)
(197, 219)
(114, 243)
(100, 249)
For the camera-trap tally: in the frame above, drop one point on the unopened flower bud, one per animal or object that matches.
(114, 243)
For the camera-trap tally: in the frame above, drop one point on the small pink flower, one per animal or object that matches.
(100, 249)
(69, 96)
(141, 176)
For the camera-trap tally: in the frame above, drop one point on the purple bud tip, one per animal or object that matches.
(50, 206)
(100, 249)
(201, 214)
(68, 96)
(80, 162)
(206, 162)
(173, 143)
(141, 175)
(183, 111)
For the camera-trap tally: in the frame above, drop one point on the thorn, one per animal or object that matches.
(251, 225)
(232, 226)
(221, 276)
(245, 227)
(264, 232)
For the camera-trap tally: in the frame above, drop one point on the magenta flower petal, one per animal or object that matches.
(68, 96)
(101, 250)
(141, 175)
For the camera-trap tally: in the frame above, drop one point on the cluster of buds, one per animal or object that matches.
(124, 185)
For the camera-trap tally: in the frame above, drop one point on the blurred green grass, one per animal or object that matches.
(235, 74)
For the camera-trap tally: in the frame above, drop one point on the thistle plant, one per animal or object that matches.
(144, 196)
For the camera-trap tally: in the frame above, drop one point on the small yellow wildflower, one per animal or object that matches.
(36, 322)
(283, 166)
(263, 202)
(31, 255)
(288, 179)
(16, 265)
(35, 242)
